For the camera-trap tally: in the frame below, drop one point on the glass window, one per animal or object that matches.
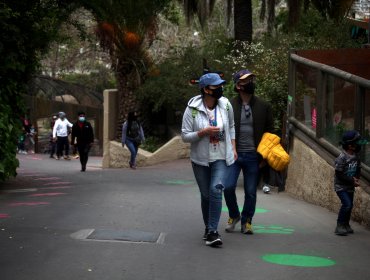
(339, 105)
(305, 96)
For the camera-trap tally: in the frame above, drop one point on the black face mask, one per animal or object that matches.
(357, 148)
(217, 93)
(248, 88)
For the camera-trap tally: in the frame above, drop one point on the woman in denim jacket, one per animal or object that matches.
(208, 124)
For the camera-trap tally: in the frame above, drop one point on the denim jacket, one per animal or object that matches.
(195, 118)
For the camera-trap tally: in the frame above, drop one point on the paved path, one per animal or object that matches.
(54, 222)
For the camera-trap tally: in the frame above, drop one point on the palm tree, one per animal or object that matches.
(126, 29)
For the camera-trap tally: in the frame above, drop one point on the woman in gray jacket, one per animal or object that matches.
(208, 124)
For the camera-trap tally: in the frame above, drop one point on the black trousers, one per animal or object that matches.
(62, 144)
(83, 150)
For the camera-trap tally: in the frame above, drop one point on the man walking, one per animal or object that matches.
(82, 132)
(60, 134)
(253, 117)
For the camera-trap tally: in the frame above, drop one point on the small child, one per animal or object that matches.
(346, 178)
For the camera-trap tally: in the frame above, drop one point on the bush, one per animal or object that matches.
(152, 144)
(267, 57)
(26, 27)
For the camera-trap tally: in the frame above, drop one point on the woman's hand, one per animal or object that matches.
(210, 130)
(234, 149)
(235, 155)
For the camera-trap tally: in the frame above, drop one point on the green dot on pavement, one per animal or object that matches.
(261, 210)
(258, 210)
(298, 260)
(179, 182)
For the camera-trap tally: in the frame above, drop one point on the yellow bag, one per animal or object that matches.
(267, 143)
(271, 150)
(278, 158)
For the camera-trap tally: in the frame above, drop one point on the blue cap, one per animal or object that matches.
(210, 79)
(241, 75)
(353, 137)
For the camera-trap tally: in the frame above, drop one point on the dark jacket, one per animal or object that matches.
(262, 118)
(346, 167)
(84, 135)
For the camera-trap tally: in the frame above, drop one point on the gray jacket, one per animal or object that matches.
(195, 118)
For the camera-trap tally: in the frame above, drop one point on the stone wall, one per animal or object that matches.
(116, 156)
(311, 178)
(174, 149)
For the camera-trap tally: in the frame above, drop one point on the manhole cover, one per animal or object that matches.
(119, 235)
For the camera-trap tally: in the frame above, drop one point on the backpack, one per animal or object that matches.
(134, 131)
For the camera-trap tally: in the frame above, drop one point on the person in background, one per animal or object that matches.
(83, 136)
(75, 153)
(208, 125)
(31, 139)
(52, 144)
(132, 136)
(21, 139)
(253, 117)
(26, 132)
(60, 135)
(346, 178)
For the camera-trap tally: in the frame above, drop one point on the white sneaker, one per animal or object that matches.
(231, 224)
(266, 189)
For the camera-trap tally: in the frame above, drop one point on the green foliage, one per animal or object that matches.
(98, 80)
(267, 57)
(9, 128)
(172, 13)
(26, 29)
(167, 89)
(314, 31)
(167, 84)
(152, 144)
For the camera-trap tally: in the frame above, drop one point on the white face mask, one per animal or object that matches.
(81, 119)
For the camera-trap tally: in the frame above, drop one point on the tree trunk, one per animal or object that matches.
(294, 7)
(263, 11)
(127, 100)
(271, 16)
(243, 20)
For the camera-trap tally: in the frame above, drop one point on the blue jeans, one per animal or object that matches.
(248, 162)
(211, 182)
(133, 148)
(345, 210)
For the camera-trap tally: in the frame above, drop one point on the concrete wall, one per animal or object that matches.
(174, 149)
(116, 156)
(310, 178)
(109, 123)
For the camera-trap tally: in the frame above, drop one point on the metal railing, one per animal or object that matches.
(323, 71)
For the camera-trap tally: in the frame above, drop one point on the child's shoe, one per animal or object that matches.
(348, 228)
(340, 230)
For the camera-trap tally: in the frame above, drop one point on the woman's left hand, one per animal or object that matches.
(235, 155)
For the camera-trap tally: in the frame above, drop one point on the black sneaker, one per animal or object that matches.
(340, 230)
(213, 239)
(348, 228)
(205, 234)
